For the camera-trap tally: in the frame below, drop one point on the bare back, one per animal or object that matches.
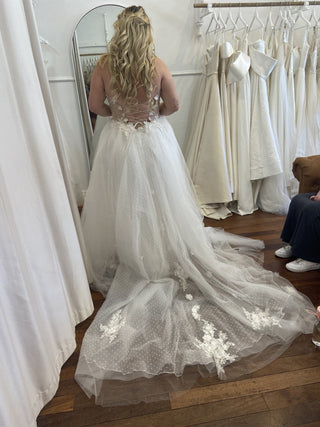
(141, 109)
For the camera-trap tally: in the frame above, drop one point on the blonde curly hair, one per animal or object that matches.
(131, 57)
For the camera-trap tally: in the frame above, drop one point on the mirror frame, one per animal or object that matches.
(81, 92)
(80, 87)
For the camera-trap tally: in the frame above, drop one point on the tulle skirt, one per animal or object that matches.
(179, 296)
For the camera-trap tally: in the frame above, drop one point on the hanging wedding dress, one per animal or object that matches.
(239, 81)
(264, 156)
(312, 138)
(271, 46)
(180, 294)
(226, 51)
(231, 90)
(300, 98)
(206, 157)
(278, 95)
(290, 147)
(273, 196)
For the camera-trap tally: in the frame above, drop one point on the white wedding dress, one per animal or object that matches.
(239, 86)
(265, 159)
(300, 101)
(177, 294)
(290, 149)
(273, 195)
(226, 50)
(312, 130)
(206, 154)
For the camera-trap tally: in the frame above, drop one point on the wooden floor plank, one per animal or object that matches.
(284, 393)
(196, 414)
(307, 413)
(248, 387)
(312, 424)
(293, 396)
(59, 404)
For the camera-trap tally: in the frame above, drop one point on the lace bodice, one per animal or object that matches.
(137, 112)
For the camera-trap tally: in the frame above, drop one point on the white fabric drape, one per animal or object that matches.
(44, 289)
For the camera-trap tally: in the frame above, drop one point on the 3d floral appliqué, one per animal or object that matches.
(262, 319)
(179, 273)
(214, 343)
(111, 330)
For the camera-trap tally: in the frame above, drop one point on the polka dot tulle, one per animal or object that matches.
(179, 297)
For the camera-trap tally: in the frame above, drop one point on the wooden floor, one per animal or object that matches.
(285, 393)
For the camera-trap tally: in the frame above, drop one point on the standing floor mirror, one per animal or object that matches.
(90, 41)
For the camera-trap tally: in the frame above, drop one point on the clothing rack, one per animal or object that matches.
(92, 54)
(259, 4)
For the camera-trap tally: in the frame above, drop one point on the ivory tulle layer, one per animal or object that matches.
(180, 294)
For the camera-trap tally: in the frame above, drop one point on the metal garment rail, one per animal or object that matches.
(257, 4)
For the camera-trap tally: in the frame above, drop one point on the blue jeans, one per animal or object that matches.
(302, 227)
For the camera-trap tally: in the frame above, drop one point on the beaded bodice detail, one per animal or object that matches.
(137, 112)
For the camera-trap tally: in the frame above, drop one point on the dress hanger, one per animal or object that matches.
(199, 22)
(313, 19)
(230, 19)
(318, 21)
(222, 24)
(303, 18)
(256, 18)
(314, 26)
(306, 26)
(269, 23)
(281, 18)
(214, 18)
(240, 19)
(221, 21)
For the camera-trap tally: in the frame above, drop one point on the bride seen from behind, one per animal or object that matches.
(177, 294)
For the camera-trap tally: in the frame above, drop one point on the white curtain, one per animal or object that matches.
(44, 289)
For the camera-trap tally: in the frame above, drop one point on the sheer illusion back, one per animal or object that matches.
(134, 112)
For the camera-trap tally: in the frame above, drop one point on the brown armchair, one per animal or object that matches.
(307, 172)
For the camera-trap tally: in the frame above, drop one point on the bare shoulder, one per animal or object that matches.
(102, 68)
(161, 67)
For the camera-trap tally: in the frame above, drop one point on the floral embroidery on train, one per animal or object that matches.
(262, 319)
(215, 344)
(111, 330)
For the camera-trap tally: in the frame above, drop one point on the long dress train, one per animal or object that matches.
(178, 294)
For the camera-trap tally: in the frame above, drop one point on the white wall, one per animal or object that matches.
(92, 29)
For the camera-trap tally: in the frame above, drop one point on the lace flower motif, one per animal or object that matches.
(262, 319)
(111, 330)
(195, 312)
(214, 343)
(179, 273)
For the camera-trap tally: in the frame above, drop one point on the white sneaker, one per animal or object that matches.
(301, 265)
(284, 252)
